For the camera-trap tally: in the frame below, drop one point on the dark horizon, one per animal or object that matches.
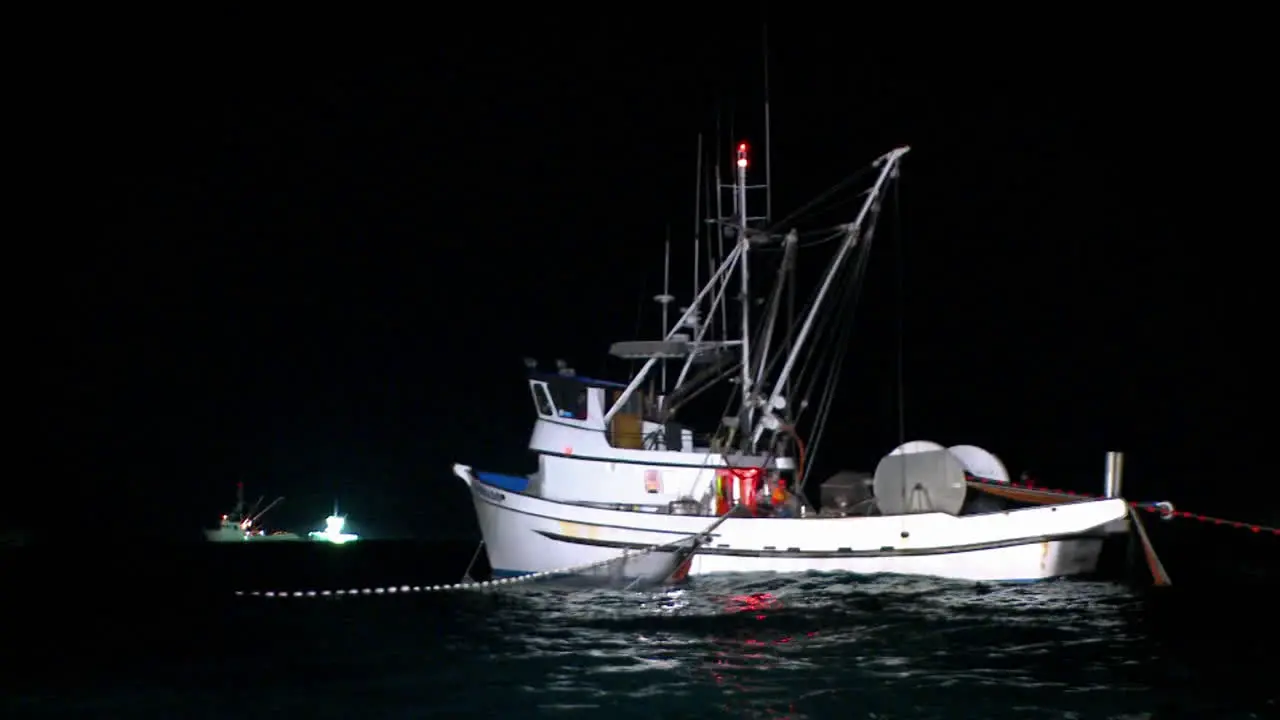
(318, 275)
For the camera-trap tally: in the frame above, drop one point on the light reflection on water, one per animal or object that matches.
(824, 646)
(749, 646)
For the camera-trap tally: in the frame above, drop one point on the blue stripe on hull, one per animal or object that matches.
(513, 483)
(500, 573)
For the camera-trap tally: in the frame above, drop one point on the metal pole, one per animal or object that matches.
(1115, 474)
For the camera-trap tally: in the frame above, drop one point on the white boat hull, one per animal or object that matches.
(239, 536)
(525, 534)
(639, 570)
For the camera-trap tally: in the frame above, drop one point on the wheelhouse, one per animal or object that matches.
(582, 402)
(569, 397)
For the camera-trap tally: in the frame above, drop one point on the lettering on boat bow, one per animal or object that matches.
(490, 494)
(577, 530)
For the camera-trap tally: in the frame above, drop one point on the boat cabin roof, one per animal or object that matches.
(592, 382)
(678, 347)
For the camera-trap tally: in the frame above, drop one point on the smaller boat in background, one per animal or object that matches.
(334, 526)
(241, 525)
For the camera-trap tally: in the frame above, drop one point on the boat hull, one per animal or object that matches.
(526, 534)
(642, 569)
(520, 544)
(241, 537)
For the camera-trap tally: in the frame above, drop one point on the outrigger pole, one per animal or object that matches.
(853, 232)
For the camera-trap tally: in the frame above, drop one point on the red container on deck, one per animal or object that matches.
(748, 481)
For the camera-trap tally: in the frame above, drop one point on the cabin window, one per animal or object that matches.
(542, 400)
(570, 399)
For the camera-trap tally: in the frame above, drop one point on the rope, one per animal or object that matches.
(811, 206)
(1159, 577)
(1163, 508)
(474, 556)
(698, 538)
(836, 352)
(455, 587)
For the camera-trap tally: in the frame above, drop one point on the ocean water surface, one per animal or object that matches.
(743, 647)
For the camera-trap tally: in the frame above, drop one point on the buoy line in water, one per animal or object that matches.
(454, 587)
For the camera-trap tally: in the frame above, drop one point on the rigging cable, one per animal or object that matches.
(840, 347)
(833, 375)
(898, 262)
(845, 303)
(708, 375)
(898, 236)
(846, 300)
(835, 232)
(787, 344)
(819, 327)
(808, 207)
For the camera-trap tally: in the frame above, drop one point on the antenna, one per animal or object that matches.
(695, 320)
(768, 138)
(768, 184)
(665, 299)
(697, 217)
(709, 190)
(724, 307)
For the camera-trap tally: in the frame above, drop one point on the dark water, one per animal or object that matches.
(746, 647)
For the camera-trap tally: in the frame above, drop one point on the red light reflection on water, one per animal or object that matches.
(748, 652)
(754, 602)
(758, 603)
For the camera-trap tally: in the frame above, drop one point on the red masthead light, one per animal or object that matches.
(742, 147)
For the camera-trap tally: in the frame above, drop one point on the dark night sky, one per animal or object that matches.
(317, 271)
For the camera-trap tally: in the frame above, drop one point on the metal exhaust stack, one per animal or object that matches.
(1115, 474)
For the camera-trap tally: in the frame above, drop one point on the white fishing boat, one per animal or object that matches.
(619, 472)
(241, 524)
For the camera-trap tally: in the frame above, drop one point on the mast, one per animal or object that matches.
(853, 233)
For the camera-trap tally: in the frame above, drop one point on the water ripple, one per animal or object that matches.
(763, 646)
